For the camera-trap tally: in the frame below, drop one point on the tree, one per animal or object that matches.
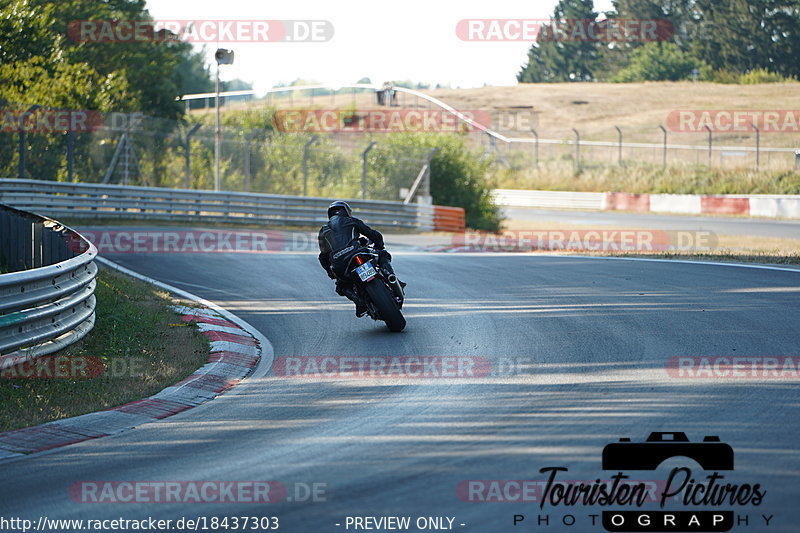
(661, 61)
(143, 76)
(563, 51)
(741, 35)
(193, 74)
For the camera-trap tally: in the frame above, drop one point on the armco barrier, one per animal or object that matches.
(156, 203)
(47, 300)
(448, 218)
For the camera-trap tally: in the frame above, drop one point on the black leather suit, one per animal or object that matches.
(338, 242)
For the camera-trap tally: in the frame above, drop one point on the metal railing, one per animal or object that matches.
(47, 299)
(99, 201)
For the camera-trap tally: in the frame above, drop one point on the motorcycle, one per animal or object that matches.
(377, 287)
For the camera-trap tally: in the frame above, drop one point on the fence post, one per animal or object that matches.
(187, 152)
(536, 147)
(619, 145)
(709, 144)
(422, 181)
(758, 146)
(22, 119)
(247, 140)
(311, 141)
(71, 155)
(426, 183)
(664, 151)
(364, 170)
(577, 150)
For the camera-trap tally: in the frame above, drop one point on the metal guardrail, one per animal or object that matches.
(47, 300)
(61, 199)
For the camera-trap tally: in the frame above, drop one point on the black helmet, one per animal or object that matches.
(338, 205)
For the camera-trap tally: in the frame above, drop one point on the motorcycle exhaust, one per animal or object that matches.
(396, 288)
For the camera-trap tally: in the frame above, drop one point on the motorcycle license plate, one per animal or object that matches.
(366, 271)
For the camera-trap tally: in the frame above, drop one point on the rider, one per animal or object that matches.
(338, 242)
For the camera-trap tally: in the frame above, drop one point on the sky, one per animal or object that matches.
(388, 40)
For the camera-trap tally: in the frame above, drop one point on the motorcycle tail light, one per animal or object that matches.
(359, 260)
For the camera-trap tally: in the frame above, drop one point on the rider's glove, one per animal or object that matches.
(331, 274)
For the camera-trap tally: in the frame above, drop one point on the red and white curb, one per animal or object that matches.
(237, 351)
(754, 205)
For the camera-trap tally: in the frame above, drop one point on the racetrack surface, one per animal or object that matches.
(760, 227)
(590, 339)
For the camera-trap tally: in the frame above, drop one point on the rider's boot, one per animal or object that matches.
(350, 293)
(385, 259)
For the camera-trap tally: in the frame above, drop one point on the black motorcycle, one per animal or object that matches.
(377, 287)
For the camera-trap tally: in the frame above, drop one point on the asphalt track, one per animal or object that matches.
(589, 340)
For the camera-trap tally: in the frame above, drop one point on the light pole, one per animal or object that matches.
(223, 57)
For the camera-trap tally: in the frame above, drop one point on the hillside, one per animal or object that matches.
(637, 108)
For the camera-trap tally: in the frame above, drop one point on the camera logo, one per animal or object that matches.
(711, 454)
(706, 501)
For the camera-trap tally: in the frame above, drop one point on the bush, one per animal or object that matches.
(458, 177)
(659, 61)
(762, 75)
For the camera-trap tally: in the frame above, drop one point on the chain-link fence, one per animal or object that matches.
(132, 149)
(562, 148)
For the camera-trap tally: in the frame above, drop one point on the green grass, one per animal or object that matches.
(143, 347)
(641, 178)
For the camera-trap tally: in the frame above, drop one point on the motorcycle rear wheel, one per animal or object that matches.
(387, 307)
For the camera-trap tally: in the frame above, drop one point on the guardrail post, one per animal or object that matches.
(187, 152)
(664, 152)
(619, 145)
(577, 150)
(364, 170)
(311, 141)
(536, 148)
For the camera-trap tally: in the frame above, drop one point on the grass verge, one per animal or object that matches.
(143, 347)
(645, 178)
